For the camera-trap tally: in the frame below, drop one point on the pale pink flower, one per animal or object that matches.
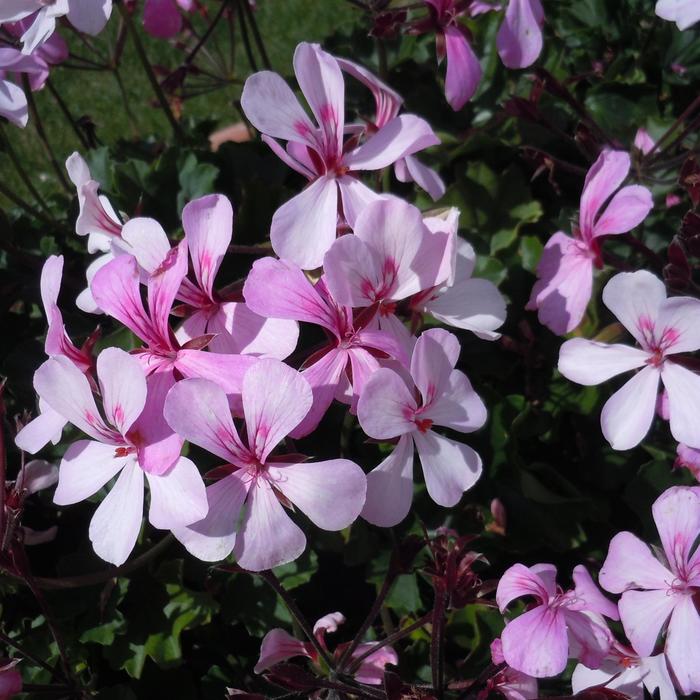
(684, 13)
(13, 101)
(278, 646)
(464, 301)
(342, 366)
(10, 679)
(393, 406)
(512, 684)
(660, 591)
(628, 673)
(162, 18)
(208, 225)
(538, 641)
(565, 271)
(246, 513)
(519, 39)
(387, 104)
(177, 493)
(662, 327)
(304, 228)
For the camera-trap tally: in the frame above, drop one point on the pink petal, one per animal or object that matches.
(390, 487)
(655, 676)
(589, 363)
(197, 410)
(563, 289)
(85, 468)
(630, 564)
(679, 322)
(535, 643)
(683, 645)
(123, 387)
(65, 388)
(402, 136)
(354, 197)
(331, 494)
(241, 331)
(636, 298)
(208, 224)
(328, 624)
(411, 169)
(213, 538)
(450, 468)
(684, 13)
(277, 646)
(371, 670)
(322, 84)
(677, 517)
(384, 342)
(308, 170)
(460, 407)
(643, 614)
(163, 285)
(519, 581)
(115, 526)
(627, 209)
(40, 431)
(295, 297)
(272, 109)
(267, 537)
(628, 413)
(304, 228)
(161, 18)
(463, 68)
(37, 475)
(89, 16)
(15, 10)
(519, 39)
(13, 103)
(643, 141)
(683, 388)
(591, 637)
(385, 409)
(603, 178)
(589, 596)
(362, 365)
(147, 241)
(434, 358)
(178, 497)
(275, 400)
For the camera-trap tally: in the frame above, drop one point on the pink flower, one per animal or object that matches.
(662, 327)
(644, 142)
(256, 485)
(13, 101)
(177, 494)
(684, 13)
(162, 18)
(319, 152)
(10, 679)
(566, 269)
(537, 642)
(342, 366)
(519, 39)
(512, 684)
(278, 646)
(689, 458)
(208, 225)
(394, 406)
(628, 673)
(658, 591)
(465, 302)
(387, 103)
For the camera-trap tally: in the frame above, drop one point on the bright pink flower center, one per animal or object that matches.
(655, 342)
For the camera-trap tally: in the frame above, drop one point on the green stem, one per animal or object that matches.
(66, 113)
(18, 201)
(246, 38)
(256, 34)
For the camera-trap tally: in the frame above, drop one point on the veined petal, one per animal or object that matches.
(226, 370)
(519, 581)
(463, 68)
(331, 494)
(683, 645)
(683, 389)
(354, 197)
(626, 210)
(434, 358)
(428, 179)
(386, 407)
(679, 324)
(628, 413)
(450, 468)
(643, 614)
(589, 363)
(590, 597)
(148, 242)
(115, 526)
(390, 486)
(591, 637)
(519, 39)
(459, 407)
(163, 285)
(277, 646)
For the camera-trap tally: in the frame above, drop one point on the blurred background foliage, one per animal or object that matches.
(174, 627)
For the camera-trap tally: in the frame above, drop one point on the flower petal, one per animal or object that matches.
(589, 596)
(626, 210)
(589, 363)
(147, 241)
(460, 407)
(463, 68)
(590, 638)
(411, 169)
(386, 407)
(684, 13)
(683, 645)
(41, 430)
(434, 358)
(679, 323)
(89, 16)
(161, 18)
(277, 646)
(354, 197)
(519, 581)
(683, 388)
(643, 614)
(519, 39)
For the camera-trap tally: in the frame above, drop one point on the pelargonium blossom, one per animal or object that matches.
(628, 673)
(278, 646)
(177, 493)
(684, 13)
(162, 18)
(394, 406)
(89, 17)
(387, 104)
(661, 591)
(341, 367)
(663, 328)
(565, 271)
(246, 512)
(538, 641)
(304, 228)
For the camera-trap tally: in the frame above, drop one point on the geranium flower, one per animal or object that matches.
(392, 406)
(537, 642)
(662, 327)
(246, 514)
(177, 493)
(304, 228)
(565, 271)
(660, 592)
